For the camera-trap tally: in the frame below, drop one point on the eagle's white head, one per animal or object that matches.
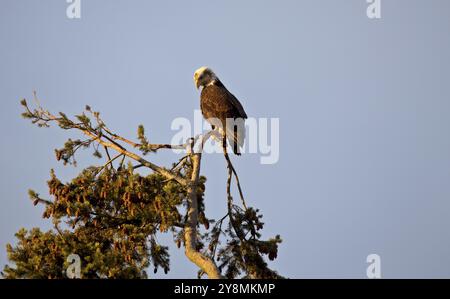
(204, 76)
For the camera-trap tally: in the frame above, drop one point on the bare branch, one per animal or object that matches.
(233, 171)
(109, 162)
(205, 263)
(44, 116)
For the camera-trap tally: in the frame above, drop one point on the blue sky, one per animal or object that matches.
(363, 107)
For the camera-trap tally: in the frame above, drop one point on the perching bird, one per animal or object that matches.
(220, 107)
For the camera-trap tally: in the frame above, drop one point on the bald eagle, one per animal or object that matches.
(221, 108)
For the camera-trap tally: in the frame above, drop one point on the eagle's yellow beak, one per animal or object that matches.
(197, 83)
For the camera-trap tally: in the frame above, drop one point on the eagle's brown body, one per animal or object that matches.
(219, 107)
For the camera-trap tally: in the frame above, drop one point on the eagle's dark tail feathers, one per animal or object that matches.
(236, 149)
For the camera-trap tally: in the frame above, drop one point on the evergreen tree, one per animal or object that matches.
(109, 215)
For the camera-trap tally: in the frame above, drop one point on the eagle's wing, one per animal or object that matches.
(237, 105)
(218, 100)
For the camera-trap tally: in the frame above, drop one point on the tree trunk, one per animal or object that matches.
(205, 263)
